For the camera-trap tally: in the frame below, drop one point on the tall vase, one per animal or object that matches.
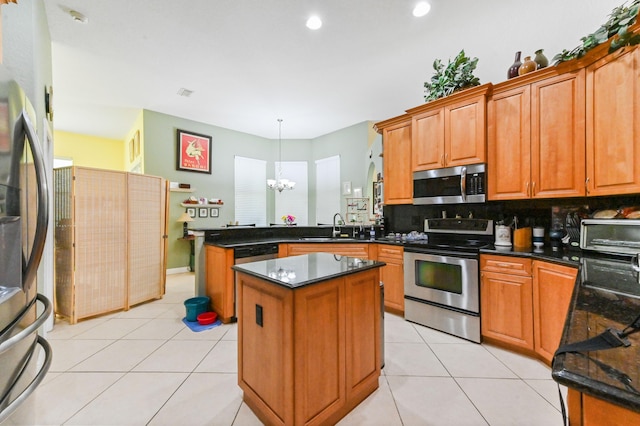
(540, 59)
(527, 66)
(513, 69)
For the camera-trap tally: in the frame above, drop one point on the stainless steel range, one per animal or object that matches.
(441, 276)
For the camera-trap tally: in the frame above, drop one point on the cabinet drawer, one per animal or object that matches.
(389, 252)
(505, 264)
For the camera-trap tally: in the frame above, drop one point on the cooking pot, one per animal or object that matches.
(503, 235)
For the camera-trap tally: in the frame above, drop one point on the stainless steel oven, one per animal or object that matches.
(441, 276)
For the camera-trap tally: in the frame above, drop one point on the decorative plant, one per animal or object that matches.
(288, 219)
(456, 75)
(620, 19)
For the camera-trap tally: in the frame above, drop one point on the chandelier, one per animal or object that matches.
(280, 184)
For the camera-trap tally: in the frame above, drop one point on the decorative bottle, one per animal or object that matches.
(513, 69)
(540, 59)
(527, 66)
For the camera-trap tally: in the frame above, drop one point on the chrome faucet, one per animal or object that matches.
(336, 232)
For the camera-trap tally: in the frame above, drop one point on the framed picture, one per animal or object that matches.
(346, 188)
(203, 213)
(191, 211)
(194, 152)
(132, 151)
(214, 212)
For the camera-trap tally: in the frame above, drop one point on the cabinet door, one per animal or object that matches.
(508, 145)
(557, 136)
(552, 289)
(613, 124)
(506, 314)
(398, 176)
(465, 127)
(362, 337)
(220, 281)
(428, 140)
(392, 275)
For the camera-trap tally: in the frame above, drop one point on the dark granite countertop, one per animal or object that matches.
(607, 295)
(299, 271)
(547, 253)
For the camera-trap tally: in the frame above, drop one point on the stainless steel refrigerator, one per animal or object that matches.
(25, 356)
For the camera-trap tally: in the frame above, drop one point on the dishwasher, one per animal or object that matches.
(251, 253)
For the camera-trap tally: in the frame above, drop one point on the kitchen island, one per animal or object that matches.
(309, 336)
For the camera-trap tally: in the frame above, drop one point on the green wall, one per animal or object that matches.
(160, 160)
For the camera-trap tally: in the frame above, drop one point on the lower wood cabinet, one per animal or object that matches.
(220, 281)
(587, 410)
(312, 353)
(392, 275)
(524, 303)
(506, 300)
(552, 290)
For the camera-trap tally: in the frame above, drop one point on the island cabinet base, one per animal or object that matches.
(308, 355)
(586, 410)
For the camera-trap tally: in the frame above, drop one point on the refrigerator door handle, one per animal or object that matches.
(11, 407)
(23, 127)
(7, 344)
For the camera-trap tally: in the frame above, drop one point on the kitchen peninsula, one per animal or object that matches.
(309, 336)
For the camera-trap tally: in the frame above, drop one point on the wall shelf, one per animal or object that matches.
(201, 206)
(182, 190)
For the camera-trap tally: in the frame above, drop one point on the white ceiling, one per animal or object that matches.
(250, 62)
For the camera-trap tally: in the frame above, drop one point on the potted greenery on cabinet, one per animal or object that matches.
(457, 75)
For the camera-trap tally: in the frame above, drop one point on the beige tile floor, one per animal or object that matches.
(145, 367)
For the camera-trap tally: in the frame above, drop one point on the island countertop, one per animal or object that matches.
(299, 271)
(607, 295)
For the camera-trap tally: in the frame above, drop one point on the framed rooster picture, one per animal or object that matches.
(194, 152)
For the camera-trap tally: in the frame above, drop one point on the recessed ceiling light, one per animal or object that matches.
(314, 23)
(421, 9)
(78, 17)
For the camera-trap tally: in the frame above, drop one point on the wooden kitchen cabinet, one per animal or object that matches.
(343, 249)
(220, 281)
(613, 124)
(587, 410)
(396, 164)
(552, 290)
(524, 303)
(536, 136)
(450, 131)
(392, 275)
(506, 299)
(313, 353)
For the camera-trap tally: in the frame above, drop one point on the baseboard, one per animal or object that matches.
(178, 270)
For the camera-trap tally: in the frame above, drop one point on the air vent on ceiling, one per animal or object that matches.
(185, 92)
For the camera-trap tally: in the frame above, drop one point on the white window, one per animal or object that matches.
(327, 189)
(293, 202)
(250, 191)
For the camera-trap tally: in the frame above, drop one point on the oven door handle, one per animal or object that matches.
(463, 183)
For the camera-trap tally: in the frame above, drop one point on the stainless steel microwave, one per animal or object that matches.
(451, 185)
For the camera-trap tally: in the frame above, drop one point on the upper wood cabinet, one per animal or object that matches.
(613, 124)
(536, 133)
(396, 152)
(450, 131)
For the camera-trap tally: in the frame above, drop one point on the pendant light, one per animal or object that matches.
(280, 184)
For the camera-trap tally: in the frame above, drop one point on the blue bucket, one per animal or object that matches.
(195, 306)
